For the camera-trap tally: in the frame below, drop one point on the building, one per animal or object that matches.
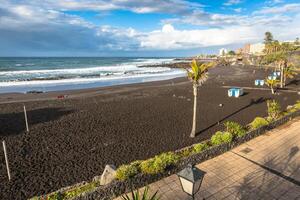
(244, 50)
(223, 52)
(257, 48)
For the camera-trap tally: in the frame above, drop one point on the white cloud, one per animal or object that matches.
(287, 8)
(35, 28)
(273, 2)
(202, 18)
(138, 6)
(29, 28)
(168, 28)
(186, 39)
(232, 2)
(238, 10)
(170, 38)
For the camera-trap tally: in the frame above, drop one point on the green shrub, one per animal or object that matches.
(221, 137)
(297, 105)
(79, 190)
(200, 147)
(186, 152)
(274, 110)
(290, 110)
(55, 196)
(258, 122)
(128, 171)
(159, 163)
(235, 128)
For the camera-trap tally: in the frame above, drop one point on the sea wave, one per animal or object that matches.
(81, 80)
(120, 68)
(60, 74)
(137, 65)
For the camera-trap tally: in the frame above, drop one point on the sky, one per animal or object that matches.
(143, 28)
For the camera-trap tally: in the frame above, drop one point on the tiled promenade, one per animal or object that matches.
(267, 167)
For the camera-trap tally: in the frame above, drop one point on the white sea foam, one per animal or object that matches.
(89, 70)
(74, 78)
(45, 83)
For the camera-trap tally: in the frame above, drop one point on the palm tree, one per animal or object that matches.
(281, 63)
(197, 75)
(288, 73)
(272, 83)
(280, 59)
(268, 37)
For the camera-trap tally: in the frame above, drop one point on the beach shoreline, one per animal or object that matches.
(19, 97)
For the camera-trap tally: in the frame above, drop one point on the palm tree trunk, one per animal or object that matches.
(272, 89)
(281, 76)
(193, 133)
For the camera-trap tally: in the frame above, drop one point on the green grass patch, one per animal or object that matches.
(128, 171)
(200, 147)
(221, 137)
(258, 122)
(159, 163)
(235, 128)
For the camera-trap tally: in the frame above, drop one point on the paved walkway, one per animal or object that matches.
(267, 167)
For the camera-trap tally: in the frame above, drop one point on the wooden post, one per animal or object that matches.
(26, 122)
(6, 160)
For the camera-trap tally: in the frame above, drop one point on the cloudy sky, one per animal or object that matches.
(140, 27)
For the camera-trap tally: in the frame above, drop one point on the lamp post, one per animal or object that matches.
(191, 179)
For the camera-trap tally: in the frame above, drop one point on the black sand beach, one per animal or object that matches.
(72, 139)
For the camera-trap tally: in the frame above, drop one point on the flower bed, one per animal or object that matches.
(134, 176)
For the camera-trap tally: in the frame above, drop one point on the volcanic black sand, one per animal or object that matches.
(72, 139)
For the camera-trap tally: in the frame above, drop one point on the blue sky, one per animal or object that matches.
(140, 27)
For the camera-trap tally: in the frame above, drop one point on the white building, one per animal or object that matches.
(257, 48)
(223, 52)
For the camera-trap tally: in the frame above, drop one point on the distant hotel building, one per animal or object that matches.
(223, 52)
(255, 49)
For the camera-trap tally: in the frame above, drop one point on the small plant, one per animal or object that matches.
(55, 196)
(77, 191)
(297, 105)
(128, 171)
(258, 122)
(144, 196)
(186, 152)
(221, 137)
(293, 108)
(235, 128)
(159, 163)
(200, 147)
(274, 110)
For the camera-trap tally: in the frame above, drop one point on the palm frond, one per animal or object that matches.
(145, 196)
(271, 82)
(199, 73)
(195, 69)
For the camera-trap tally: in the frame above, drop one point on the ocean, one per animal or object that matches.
(54, 74)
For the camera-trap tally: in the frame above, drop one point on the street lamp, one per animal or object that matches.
(191, 178)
